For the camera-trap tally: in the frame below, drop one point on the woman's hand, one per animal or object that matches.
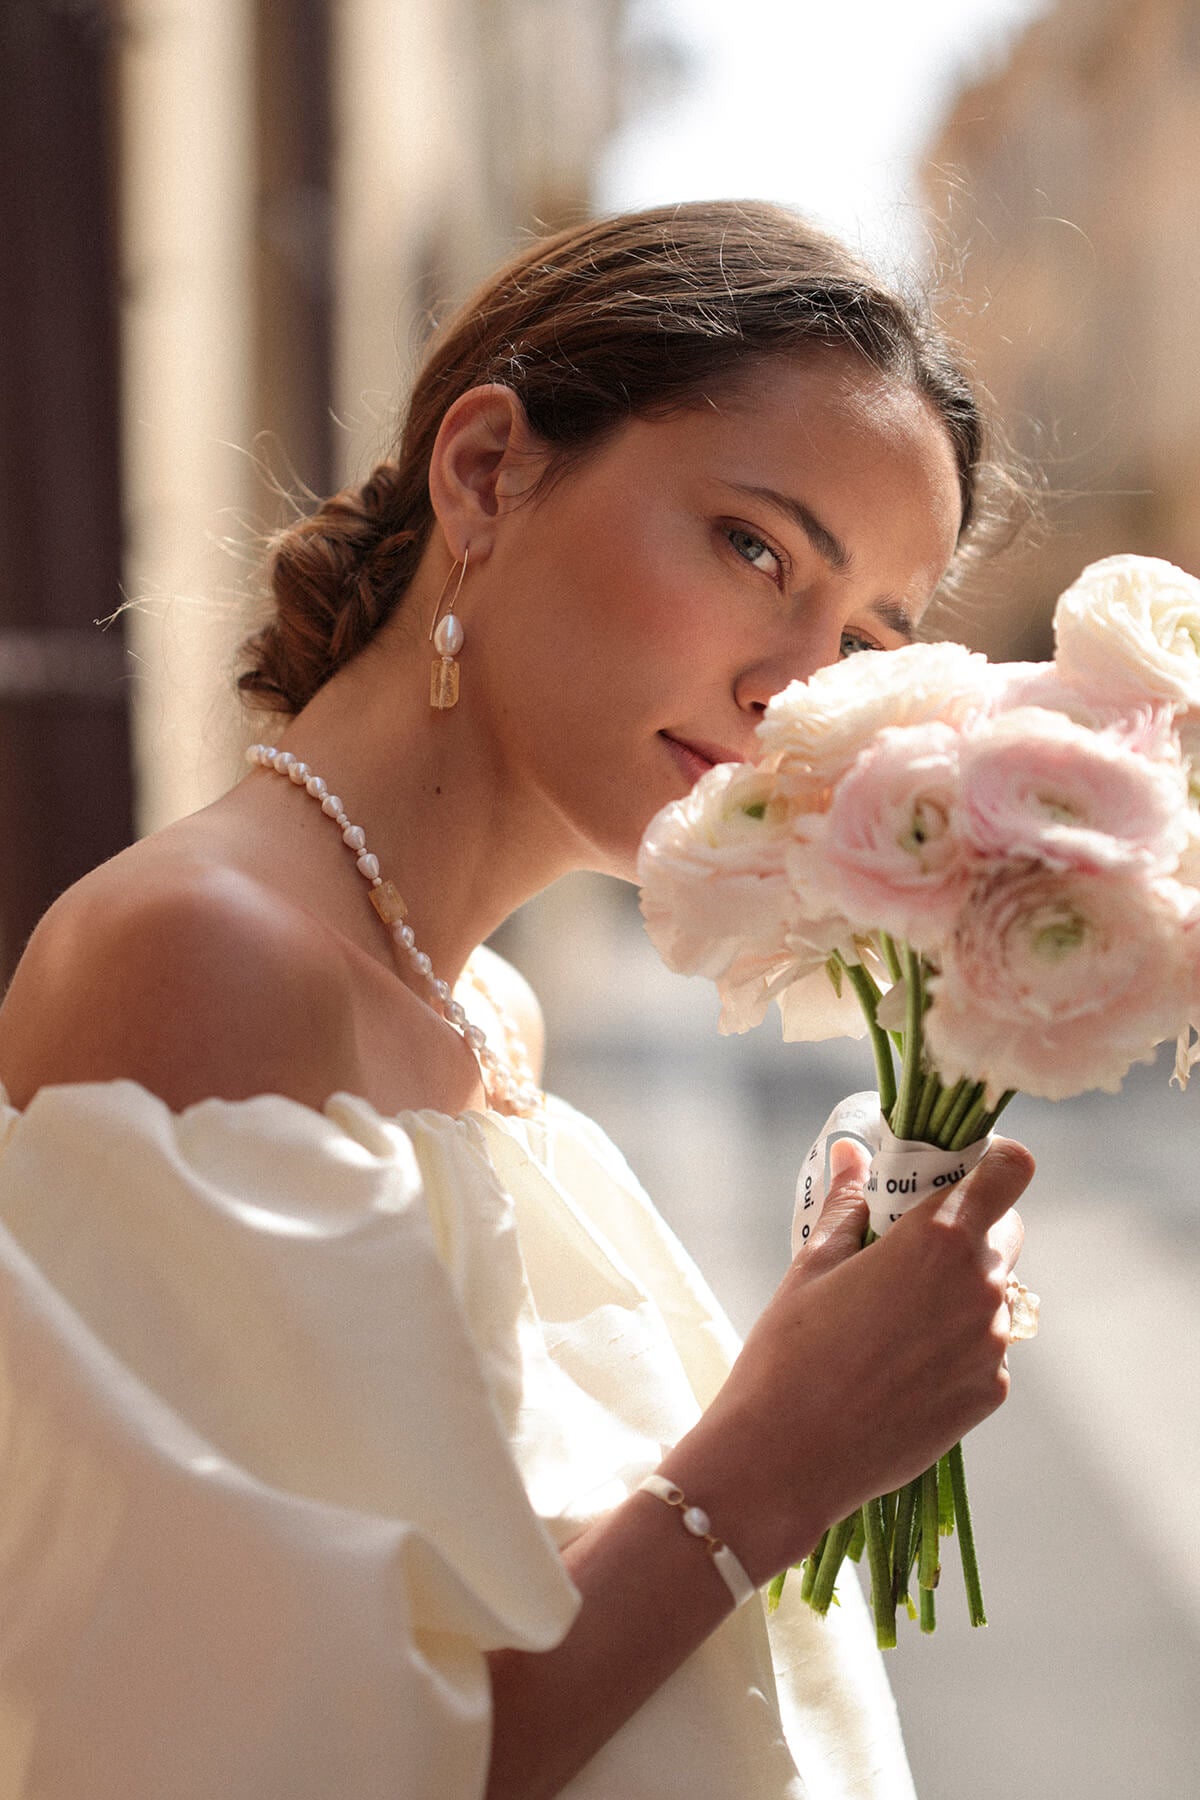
(865, 1366)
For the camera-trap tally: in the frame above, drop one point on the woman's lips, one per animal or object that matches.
(696, 759)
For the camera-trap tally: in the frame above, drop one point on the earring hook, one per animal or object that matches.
(458, 590)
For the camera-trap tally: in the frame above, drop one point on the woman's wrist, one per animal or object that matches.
(698, 1525)
(726, 1475)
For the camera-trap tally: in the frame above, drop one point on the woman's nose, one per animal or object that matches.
(805, 653)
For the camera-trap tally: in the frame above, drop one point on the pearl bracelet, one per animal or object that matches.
(697, 1521)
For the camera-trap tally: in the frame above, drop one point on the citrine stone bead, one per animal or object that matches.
(443, 683)
(388, 903)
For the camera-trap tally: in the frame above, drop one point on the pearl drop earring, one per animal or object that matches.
(447, 637)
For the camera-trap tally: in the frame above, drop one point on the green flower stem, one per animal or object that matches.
(972, 1124)
(928, 1610)
(903, 1114)
(832, 1558)
(966, 1536)
(959, 1111)
(946, 1101)
(930, 1567)
(905, 1545)
(931, 1089)
(868, 999)
(811, 1564)
(882, 1604)
(858, 1540)
(775, 1590)
(888, 1504)
(891, 955)
(945, 1498)
(990, 1120)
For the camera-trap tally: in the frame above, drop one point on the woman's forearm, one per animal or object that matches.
(651, 1595)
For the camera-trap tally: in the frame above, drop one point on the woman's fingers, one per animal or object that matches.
(990, 1191)
(839, 1230)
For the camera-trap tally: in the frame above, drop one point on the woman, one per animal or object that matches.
(338, 1354)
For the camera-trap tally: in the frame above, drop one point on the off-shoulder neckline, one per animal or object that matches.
(483, 1115)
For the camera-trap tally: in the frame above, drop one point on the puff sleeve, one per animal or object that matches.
(259, 1515)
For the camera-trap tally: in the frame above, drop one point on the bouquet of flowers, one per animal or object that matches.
(991, 870)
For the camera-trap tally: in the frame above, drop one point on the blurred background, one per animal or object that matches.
(227, 228)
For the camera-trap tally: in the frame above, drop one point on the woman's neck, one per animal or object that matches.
(458, 833)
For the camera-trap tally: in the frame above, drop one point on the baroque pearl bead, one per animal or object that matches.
(697, 1521)
(354, 837)
(331, 806)
(316, 787)
(448, 637)
(368, 865)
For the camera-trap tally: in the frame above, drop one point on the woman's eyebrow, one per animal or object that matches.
(896, 614)
(823, 541)
(831, 548)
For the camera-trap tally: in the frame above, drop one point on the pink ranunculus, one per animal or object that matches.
(1043, 684)
(1056, 982)
(887, 855)
(1037, 785)
(711, 868)
(1128, 630)
(1187, 727)
(815, 729)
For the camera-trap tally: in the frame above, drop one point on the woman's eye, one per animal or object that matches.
(754, 551)
(854, 641)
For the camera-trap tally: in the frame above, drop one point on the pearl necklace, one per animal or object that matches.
(509, 1084)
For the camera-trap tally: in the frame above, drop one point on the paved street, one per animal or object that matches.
(1084, 1486)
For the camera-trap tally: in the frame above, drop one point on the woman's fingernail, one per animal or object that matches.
(847, 1158)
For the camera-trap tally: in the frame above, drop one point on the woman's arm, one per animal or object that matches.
(882, 1358)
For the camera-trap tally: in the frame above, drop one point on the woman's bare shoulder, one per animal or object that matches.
(189, 977)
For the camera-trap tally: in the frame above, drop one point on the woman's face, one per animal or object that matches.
(640, 613)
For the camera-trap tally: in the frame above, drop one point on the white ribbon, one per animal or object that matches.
(902, 1172)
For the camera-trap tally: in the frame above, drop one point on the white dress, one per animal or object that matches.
(295, 1408)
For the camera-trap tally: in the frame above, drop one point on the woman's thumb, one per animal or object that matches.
(843, 1217)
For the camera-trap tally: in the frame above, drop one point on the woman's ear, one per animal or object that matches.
(485, 456)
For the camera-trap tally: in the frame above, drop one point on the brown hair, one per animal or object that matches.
(626, 317)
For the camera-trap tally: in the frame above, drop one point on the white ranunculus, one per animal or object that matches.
(815, 1008)
(711, 868)
(1128, 630)
(815, 729)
